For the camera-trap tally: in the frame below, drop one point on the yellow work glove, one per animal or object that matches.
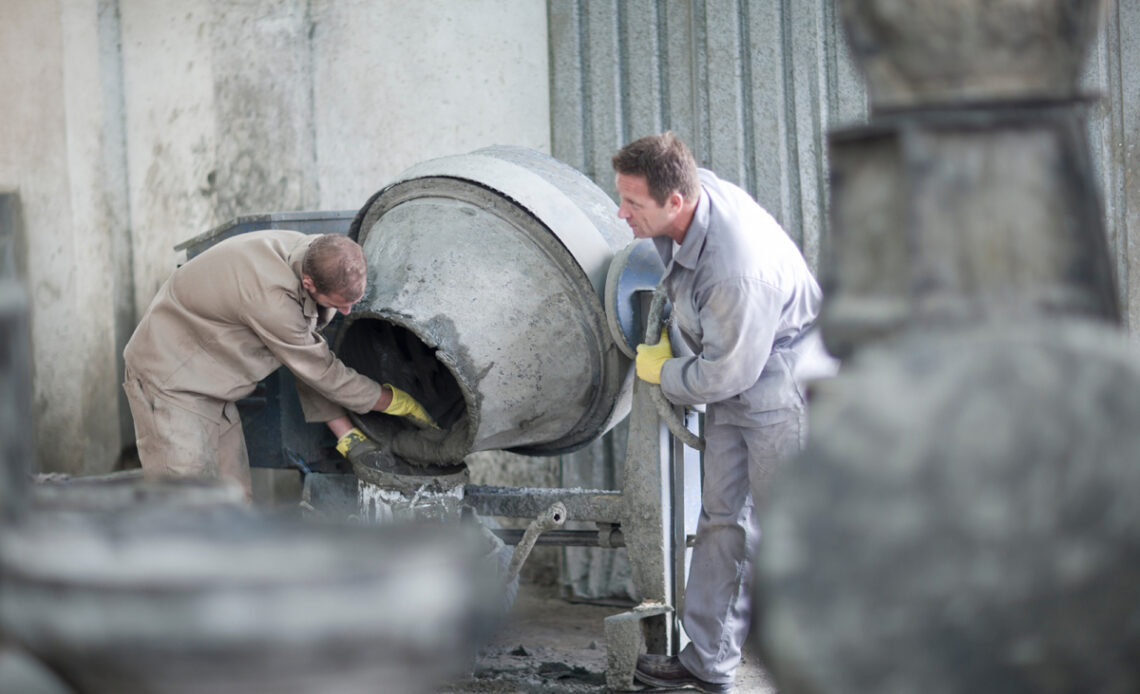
(354, 444)
(650, 358)
(404, 405)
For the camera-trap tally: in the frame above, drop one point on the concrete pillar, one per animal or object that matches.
(963, 516)
(17, 455)
(17, 446)
(969, 195)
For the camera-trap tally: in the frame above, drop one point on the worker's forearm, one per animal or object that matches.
(340, 426)
(384, 401)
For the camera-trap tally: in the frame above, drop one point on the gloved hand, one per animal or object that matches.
(650, 358)
(404, 405)
(355, 444)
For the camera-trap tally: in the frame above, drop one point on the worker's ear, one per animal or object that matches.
(307, 283)
(675, 202)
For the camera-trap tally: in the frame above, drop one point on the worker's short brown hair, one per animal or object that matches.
(336, 265)
(665, 162)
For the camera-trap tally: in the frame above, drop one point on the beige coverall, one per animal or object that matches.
(222, 322)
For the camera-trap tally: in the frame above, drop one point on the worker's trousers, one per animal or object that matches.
(739, 464)
(180, 437)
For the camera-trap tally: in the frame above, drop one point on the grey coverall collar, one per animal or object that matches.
(690, 251)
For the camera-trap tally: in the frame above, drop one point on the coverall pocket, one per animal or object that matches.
(186, 442)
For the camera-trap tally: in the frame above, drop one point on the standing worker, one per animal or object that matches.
(744, 301)
(227, 319)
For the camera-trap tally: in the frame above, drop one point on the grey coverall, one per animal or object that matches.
(220, 323)
(744, 301)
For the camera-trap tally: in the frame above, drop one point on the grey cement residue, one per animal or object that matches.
(381, 505)
(552, 646)
(433, 447)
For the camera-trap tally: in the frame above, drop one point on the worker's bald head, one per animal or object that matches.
(336, 265)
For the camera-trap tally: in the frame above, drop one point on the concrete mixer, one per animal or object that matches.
(506, 296)
(484, 300)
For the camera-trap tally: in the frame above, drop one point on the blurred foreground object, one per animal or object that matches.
(963, 516)
(979, 535)
(221, 600)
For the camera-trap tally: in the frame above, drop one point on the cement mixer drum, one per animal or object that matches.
(484, 301)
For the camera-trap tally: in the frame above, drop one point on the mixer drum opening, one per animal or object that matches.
(390, 353)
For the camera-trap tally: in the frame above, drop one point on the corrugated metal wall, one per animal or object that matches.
(1112, 79)
(754, 86)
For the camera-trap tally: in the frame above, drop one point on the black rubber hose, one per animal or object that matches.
(665, 409)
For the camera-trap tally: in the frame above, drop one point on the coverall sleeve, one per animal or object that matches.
(738, 319)
(304, 351)
(316, 407)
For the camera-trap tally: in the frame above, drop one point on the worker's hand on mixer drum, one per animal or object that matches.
(650, 358)
(404, 405)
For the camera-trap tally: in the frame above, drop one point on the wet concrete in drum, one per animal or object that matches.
(553, 646)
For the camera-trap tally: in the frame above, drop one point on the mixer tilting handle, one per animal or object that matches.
(634, 269)
(665, 408)
(550, 519)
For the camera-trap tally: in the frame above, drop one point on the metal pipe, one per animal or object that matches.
(551, 518)
(665, 408)
(564, 538)
(596, 505)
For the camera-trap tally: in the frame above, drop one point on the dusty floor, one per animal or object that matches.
(548, 645)
(552, 646)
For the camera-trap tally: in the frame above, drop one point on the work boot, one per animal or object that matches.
(666, 672)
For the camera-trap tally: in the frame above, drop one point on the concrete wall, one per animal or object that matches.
(60, 150)
(132, 125)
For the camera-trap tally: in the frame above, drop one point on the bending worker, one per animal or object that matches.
(225, 320)
(744, 301)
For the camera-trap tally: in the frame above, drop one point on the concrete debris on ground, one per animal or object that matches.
(553, 646)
